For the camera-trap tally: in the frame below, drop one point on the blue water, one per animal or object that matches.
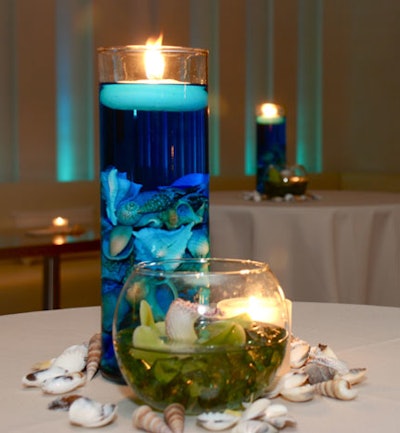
(271, 150)
(154, 185)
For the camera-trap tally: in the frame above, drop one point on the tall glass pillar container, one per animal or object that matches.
(153, 165)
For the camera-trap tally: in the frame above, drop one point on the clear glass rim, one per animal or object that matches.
(143, 48)
(238, 266)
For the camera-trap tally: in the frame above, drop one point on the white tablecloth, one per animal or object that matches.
(363, 336)
(342, 248)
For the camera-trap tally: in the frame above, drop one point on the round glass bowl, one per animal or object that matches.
(207, 333)
(287, 180)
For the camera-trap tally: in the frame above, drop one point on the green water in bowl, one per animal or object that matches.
(203, 378)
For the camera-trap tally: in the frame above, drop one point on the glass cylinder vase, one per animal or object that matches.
(153, 165)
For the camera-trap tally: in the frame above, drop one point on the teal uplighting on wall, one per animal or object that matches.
(259, 70)
(207, 36)
(75, 140)
(309, 84)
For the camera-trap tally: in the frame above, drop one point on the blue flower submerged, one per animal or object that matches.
(170, 222)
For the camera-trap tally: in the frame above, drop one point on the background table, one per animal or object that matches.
(342, 248)
(363, 336)
(50, 248)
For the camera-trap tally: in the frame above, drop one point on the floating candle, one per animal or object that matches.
(154, 96)
(259, 309)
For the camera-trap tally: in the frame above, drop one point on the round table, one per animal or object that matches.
(362, 336)
(343, 247)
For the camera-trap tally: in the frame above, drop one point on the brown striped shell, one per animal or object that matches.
(146, 419)
(93, 356)
(174, 416)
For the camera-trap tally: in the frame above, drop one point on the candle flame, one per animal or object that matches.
(153, 59)
(269, 110)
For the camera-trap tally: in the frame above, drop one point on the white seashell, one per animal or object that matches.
(323, 350)
(254, 426)
(174, 416)
(256, 409)
(301, 393)
(90, 413)
(216, 421)
(180, 319)
(275, 410)
(63, 383)
(318, 372)
(73, 358)
(354, 376)
(289, 380)
(337, 388)
(299, 350)
(93, 356)
(63, 403)
(283, 421)
(331, 362)
(146, 419)
(36, 378)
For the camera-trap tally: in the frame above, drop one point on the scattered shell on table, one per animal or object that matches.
(256, 409)
(216, 421)
(260, 416)
(63, 403)
(93, 356)
(174, 416)
(254, 426)
(63, 383)
(354, 375)
(90, 413)
(299, 393)
(67, 367)
(36, 378)
(73, 358)
(299, 352)
(146, 419)
(337, 388)
(316, 370)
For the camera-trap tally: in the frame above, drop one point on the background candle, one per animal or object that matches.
(60, 222)
(271, 141)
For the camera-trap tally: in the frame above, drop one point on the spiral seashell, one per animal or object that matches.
(174, 416)
(146, 419)
(93, 357)
(127, 213)
(159, 202)
(337, 388)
